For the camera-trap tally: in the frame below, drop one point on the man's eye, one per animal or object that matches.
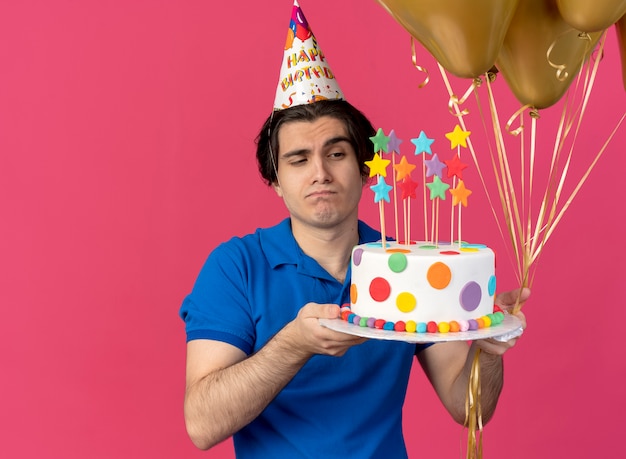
(338, 154)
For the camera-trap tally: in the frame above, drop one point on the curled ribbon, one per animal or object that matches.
(419, 67)
(532, 112)
(454, 100)
(561, 72)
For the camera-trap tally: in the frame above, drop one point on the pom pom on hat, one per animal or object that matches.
(305, 76)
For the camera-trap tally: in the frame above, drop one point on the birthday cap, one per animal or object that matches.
(305, 76)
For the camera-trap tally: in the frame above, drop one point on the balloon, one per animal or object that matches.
(536, 38)
(591, 15)
(620, 28)
(464, 36)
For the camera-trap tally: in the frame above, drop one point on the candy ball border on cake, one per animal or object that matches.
(410, 326)
(510, 327)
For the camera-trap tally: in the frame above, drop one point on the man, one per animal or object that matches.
(259, 365)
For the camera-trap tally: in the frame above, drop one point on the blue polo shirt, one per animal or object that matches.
(335, 407)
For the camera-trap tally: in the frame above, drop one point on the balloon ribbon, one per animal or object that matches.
(473, 411)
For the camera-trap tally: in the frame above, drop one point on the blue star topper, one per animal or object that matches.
(381, 190)
(422, 144)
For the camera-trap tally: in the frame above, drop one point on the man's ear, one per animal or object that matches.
(277, 189)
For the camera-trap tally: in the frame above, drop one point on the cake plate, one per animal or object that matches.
(509, 328)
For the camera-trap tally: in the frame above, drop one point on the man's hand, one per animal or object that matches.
(507, 302)
(307, 335)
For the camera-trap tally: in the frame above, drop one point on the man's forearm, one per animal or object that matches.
(491, 381)
(228, 399)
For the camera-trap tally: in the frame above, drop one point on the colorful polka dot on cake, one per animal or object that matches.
(379, 289)
(439, 275)
(397, 262)
(356, 256)
(354, 293)
(471, 295)
(406, 302)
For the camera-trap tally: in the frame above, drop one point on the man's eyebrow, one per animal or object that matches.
(303, 151)
(334, 140)
(289, 154)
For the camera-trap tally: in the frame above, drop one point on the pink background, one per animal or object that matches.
(126, 155)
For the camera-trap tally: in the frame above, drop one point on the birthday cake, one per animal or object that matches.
(423, 287)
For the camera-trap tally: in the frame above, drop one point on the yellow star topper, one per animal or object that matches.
(458, 137)
(460, 194)
(378, 165)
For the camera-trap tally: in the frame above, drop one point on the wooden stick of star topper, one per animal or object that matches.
(458, 138)
(437, 187)
(393, 147)
(422, 145)
(403, 172)
(378, 168)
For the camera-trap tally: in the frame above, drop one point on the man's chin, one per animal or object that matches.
(326, 218)
(329, 218)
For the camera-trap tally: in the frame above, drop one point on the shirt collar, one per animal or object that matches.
(280, 247)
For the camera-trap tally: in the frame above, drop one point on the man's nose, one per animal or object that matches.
(321, 171)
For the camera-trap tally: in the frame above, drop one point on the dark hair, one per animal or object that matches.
(357, 125)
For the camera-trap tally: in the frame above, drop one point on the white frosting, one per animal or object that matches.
(464, 289)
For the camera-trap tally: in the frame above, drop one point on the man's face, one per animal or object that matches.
(318, 174)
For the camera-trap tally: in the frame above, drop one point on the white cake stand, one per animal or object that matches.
(509, 328)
